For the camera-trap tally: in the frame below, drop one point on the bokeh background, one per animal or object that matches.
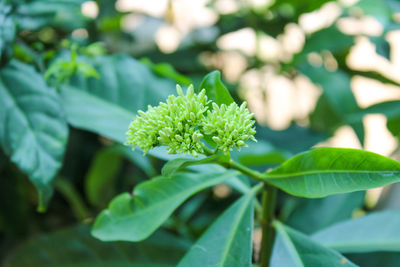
(315, 73)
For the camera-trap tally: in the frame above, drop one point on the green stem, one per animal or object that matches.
(267, 217)
(246, 171)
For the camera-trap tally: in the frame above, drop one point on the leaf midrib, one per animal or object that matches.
(287, 175)
(240, 214)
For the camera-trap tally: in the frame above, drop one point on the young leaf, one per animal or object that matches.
(33, 130)
(215, 89)
(326, 171)
(227, 242)
(378, 231)
(175, 165)
(293, 248)
(135, 217)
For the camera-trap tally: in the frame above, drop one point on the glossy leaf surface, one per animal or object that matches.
(326, 171)
(134, 217)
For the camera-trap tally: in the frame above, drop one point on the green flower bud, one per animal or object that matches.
(229, 126)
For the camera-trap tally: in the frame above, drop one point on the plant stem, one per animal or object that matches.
(246, 171)
(267, 216)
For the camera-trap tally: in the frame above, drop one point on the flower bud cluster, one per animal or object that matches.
(174, 124)
(183, 120)
(230, 126)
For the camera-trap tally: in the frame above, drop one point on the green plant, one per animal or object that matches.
(70, 84)
(316, 173)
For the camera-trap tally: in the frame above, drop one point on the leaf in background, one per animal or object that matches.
(322, 40)
(134, 217)
(33, 130)
(378, 231)
(7, 27)
(386, 259)
(100, 178)
(166, 70)
(338, 95)
(326, 171)
(295, 139)
(175, 165)
(215, 89)
(75, 247)
(228, 241)
(88, 112)
(137, 158)
(293, 248)
(66, 14)
(125, 82)
(311, 215)
(261, 153)
(391, 110)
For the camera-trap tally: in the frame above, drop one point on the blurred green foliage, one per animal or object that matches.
(70, 85)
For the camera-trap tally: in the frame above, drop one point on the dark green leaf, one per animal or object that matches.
(293, 248)
(261, 153)
(386, 259)
(134, 217)
(311, 215)
(378, 231)
(33, 130)
(215, 89)
(228, 241)
(100, 178)
(326, 171)
(75, 247)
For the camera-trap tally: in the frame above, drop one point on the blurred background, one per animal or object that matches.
(315, 73)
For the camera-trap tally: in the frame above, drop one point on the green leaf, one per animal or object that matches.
(100, 179)
(137, 158)
(33, 130)
(168, 71)
(215, 89)
(293, 248)
(88, 112)
(338, 96)
(66, 14)
(7, 27)
(378, 231)
(134, 217)
(75, 247)
(125, 82)
(175, 165)
(228, 241)
(311, 215)
(386, 259)
(261, 153)
(326, 171)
